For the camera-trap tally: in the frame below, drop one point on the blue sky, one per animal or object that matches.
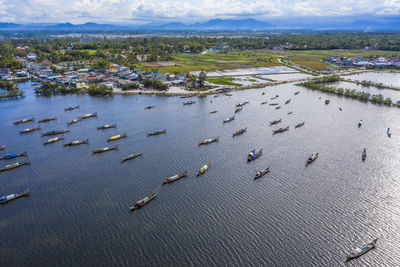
(189, 11)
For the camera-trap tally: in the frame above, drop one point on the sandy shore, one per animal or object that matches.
(172, 91)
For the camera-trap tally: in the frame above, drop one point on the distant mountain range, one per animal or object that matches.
(214, 25)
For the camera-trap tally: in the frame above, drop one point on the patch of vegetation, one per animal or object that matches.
(102, 90)
(223, 81)
(48, 89)
(129, 86)
(158, 85)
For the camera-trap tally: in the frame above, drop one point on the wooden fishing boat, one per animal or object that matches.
(2, 147)
(242, 104)
(157, 132)
(131, 156)
(6, 199)
(149, 107)
(229, 119)
(263, 93)
(189, 103)
(290, 112)
(287, 101)
(174, 178)
(364, 154)
(143, 201)
(73, 121)
(274, 104)
(88, 115)
(275, 122)
(47, 119)
(261, 173)
(312, 158)
(29, 130)
(340, 108)
(360, 123)
(263, 103)
(77, 142)
(14, 165)
(299, 125)
(357, 252)
(238, 109)
(389, 132)
(280, 130)
(107, 126)
(239, 132)
(117, 137)
(275, 97)
(278, 107)
(213, 112)
(104, 149)
(217, 95)
(297, 92)
(71, 108)
(23, 121)
(53, 140)
(204, 169)
(254, 155)
(12, 156)
(209, 141)
(327, 101)
(55, 132)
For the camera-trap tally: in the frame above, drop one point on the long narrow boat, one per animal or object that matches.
(263, 103)
(364, 154)
(280, 130)
(149, 107)
(77, 142)
(278, 107)
(299, 125)
(2, 147)
(131, 156)
(71, 108)
(274, 104)
(104, 149)
(275, 97)
(263, 93)
(29, 130)
(14, 165)
(238, 109)
(55, 132)
(107, 126)
(297, 92)
(239, 132)
(242, 104)
(290, 112)
(12, 156)
(47, 119)
(229, 119)
(254, 155)
(275, 122)
(327, 101)
(261, 173)
(213, 112)
(74, 121)
(389, 132)
(189, 103)
(23, 121)
(157, 132)
(357, 252)
(117, 137)
(204, 169)
(209, 141)
(174, 178)
(11, 197)
(53, 140)
(143, 201)
(287, 101)
(360, 123)
(88, 115)
(312, 158)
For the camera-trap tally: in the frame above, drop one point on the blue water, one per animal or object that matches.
(78, 212)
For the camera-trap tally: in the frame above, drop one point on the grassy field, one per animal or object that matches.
(223, 81)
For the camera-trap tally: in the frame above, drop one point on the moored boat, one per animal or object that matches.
(357, 252)
(275, 97)
(149, 107)
(88, 115)
(364, 154)
(55, 132)
(280, 130)
(327, 101)
(71, 108)
(296, 93)
(389, 132)
(254, 155)
(238, 109)
(131, 156)
(157, 132)
(174, 178)
(23, 121)
(11, 197)
(312, 158)
(340, 108)
(107, 126)
(209, 141)
(242, 104)
(261, 173)
(117, 137)
(143, 201)
(189, 103)
(2, 147)
(53, 140)
(29, 130)
(263, 93)
(74, 121)
(47, 119)
(104, 149)
(239, 132)
(275, 122)
(290, 112)
(287, 101)
(274, 104)
(229, 119)
(278, 107)
(263, 103)
(299, 125)
(360, 123)
(77, 142)
(214, 111)
(204, 169)
(12, 156)
(14, 165)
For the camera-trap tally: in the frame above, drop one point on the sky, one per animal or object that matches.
(186, 11)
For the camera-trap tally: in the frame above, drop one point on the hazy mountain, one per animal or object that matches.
(220, 24)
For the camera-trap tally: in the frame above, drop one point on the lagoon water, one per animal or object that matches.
(78, 212)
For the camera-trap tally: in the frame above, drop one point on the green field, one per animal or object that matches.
(223, 81)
